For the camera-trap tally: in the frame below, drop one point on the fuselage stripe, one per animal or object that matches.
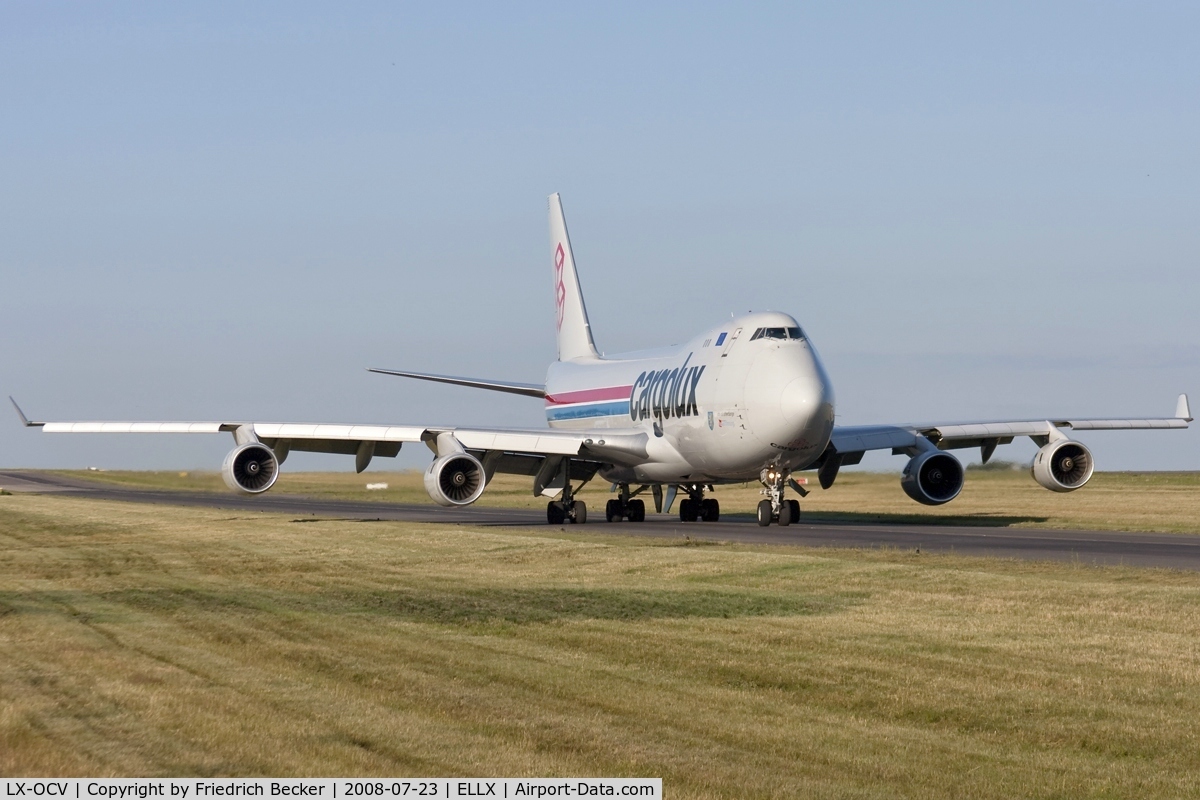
(589, 395)
(586, 410)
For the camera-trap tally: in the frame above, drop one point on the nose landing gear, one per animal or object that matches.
(776, 507)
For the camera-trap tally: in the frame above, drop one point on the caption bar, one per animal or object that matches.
(324, 788)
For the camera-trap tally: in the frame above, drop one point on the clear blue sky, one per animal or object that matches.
(228, 211)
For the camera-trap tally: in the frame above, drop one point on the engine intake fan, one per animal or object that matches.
(1063, 466)
(455, 480)
(251, 468)
(932, 478)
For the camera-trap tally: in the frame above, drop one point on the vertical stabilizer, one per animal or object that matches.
(574, 331)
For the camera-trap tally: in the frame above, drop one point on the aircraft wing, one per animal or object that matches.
(850, 442)
(511, 450)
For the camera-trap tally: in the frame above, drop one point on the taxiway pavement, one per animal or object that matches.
(1171, 550)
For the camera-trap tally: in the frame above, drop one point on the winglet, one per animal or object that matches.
(1181, 408)
(24, 419)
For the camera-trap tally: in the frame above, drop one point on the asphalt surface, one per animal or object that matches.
(1176, 551)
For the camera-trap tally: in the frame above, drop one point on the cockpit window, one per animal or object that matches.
(777, 333)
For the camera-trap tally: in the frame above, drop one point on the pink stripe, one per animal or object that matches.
(590, 395)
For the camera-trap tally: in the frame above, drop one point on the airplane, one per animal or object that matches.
(744, 400)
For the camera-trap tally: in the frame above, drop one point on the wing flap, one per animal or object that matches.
(137, 427)
(349, 447)
(852, 439)
(520, 441)
(988, 430)
(1125, 424)
(371, 433)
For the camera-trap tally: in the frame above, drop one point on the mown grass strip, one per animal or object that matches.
(140, 640)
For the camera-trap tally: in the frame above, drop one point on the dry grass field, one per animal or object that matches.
(154, 640)
(1153, 501)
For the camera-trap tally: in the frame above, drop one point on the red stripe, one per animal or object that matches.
(590, 395)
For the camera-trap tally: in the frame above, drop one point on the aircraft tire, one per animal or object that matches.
(555, 514)
(688, 511)
(612, 511)
(579, 512)
(637, 511)
(795, 504)
(710, 511)
(785, 514)
(764, 513)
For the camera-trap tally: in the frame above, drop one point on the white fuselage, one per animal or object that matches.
(719, 408)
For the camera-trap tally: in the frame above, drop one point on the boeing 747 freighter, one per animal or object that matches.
(744, 400)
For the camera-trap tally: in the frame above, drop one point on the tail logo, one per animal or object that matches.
(560, 290)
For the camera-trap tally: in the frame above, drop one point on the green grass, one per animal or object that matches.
(1132, 501)
(138, 640)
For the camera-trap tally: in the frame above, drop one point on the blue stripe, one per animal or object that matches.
(618, 408)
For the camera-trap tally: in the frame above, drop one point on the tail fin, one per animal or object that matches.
(574, 331)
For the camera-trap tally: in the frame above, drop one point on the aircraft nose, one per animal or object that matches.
(800, 401)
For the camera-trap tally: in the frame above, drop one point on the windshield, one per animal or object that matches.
(777, 333)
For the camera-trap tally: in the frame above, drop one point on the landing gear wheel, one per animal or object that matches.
(578, 512)
(795, 504)
(764, 513)
(555, 514)
(688, 511)
(612, 511)
(785, 514)
(710, 510)
(637, 511)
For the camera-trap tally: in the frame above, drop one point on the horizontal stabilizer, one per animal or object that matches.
(527, 389)
(24, 419)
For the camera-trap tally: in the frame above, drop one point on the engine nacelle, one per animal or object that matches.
(250, 468)
(1063, 466)
(455, 480)
(932, 478)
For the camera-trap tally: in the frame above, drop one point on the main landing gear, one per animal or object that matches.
(776, 507)
(567, 508)
(558, 512)
(695, 507)
(626, 506)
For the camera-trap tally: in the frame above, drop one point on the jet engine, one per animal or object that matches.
(1063, 466)
(455, 480)
(251, 468)
(932, 478)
